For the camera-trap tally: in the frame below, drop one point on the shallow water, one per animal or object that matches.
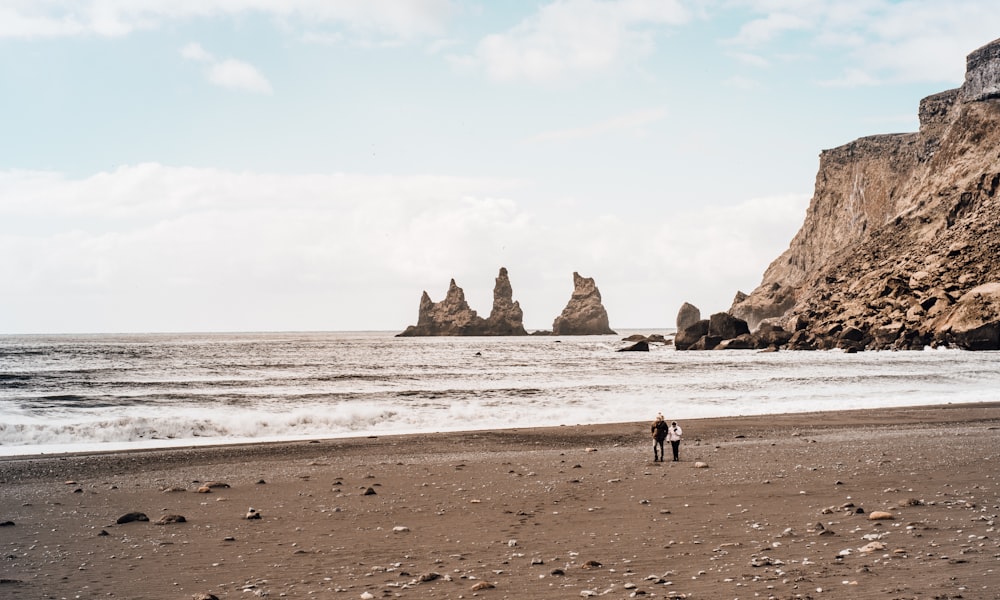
(90, 392)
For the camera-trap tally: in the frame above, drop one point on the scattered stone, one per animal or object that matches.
(204, 490)
(872, 547)
(482, 585)
(204, 597)
(911, 502)
(427, 577)
(369, 492)
(400, 529)
(170, 519)
(252, 513)
(367, 596)
(592, 564)
(132, 516)
(700, 465)
(880, 515)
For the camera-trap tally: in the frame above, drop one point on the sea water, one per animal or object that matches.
(65, 393)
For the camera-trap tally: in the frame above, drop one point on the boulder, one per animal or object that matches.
(689, 336)
(687, 316)
(640, 346)
(584, 313)
(726, 326)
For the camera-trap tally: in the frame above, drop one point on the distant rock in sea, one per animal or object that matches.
(584, 313)
(900, 247)
(454, 317)
(688, 315)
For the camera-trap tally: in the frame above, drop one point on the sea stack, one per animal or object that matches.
(584, 313)
(900, 248)
(454, 317)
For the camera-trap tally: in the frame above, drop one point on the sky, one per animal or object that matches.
(314, 165)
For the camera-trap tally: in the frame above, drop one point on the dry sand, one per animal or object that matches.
(780, 511)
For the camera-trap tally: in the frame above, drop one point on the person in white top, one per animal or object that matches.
(674, 434)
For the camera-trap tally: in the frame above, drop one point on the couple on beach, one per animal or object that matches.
(661, 431)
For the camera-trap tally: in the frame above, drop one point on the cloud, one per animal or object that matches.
(570, 38)
(229, 73)
(875, 42)
(194, 51)
(57, 18)
(237, 74)
(634, 123)
(157, 248)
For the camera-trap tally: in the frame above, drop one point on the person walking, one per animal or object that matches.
(659, 433)
(674, 434)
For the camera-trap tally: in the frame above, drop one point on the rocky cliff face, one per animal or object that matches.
(453, 316)
(584, 313)
(900, 246)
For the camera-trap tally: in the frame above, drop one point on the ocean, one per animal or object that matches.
(73, 393)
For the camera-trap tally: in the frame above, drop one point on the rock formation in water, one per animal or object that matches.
(900, 247)
(584, 313)
(453, 316)
(688, 315)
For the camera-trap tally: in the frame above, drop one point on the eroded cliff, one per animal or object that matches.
(900, 244)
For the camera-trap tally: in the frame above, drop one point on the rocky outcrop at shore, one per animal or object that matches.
(584, 313)
(900, 247)
(454, 317)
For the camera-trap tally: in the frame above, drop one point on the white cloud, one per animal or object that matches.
(57, 18)
(229, 73)
(634, 123)
(569, 38)
(150, 247)
(765, 29)
(753, 60)
(877, 41)
(194, 51)
(237, 74)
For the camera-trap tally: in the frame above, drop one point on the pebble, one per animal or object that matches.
(170, 519)
(880, 515)
(132, 516)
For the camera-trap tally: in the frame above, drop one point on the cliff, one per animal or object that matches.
(453, 316)
(899, 247)
(584, 313)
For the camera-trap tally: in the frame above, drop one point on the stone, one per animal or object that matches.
(686, 338)
(880, 515)
(482, 585)
(170, 520)
(584, 313)
(687, 315)
(700, 465)
(252, 514)
(641, 346)
(204, 597)
(726, 326)
(132, 517)
(454, 317)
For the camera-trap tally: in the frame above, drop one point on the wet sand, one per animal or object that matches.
(758, 507)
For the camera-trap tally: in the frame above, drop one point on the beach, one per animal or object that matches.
(769, 506)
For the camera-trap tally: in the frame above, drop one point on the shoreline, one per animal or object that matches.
(904, 415)
(530, 512)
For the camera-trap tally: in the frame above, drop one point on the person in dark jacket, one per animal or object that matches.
(659, 432)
